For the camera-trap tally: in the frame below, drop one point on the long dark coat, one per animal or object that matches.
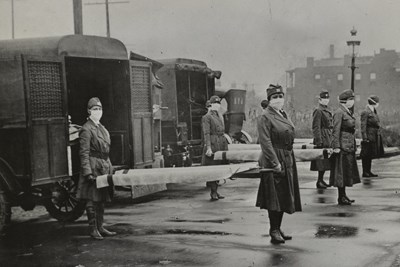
(344, 170)
(322, 131)
(370, 130)
(213, 136)
(277, 192)
(94, 149)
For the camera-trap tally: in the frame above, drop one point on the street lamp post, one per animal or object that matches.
(353, 43)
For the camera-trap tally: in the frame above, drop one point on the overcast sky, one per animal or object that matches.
(251, 41)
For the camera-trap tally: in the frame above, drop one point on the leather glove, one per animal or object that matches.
(319, 146)
(91, 178)
(277, 168)
(209, 152)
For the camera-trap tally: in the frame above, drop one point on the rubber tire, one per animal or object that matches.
(65, 216)
(5, 212)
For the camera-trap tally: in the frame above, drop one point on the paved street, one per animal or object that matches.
(181, 227)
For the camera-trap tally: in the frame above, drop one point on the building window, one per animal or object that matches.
(317, 76)
(372, 76)
(358, 76)
(340, 77)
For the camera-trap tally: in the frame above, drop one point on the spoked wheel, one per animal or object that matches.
(62, 203)
(5, 212)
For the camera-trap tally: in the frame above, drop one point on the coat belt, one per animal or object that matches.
(284, 147)
(352, 131)
(99, 155)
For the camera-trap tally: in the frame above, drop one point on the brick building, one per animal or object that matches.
(378, 74)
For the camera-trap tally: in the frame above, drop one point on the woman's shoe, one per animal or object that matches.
(325, 184)
(276, 237)
(351, 200)
(285, 237)
(214, 196)
(372, 174)
(104, 232)
(320, 185)
(343, 201)
(220, 197)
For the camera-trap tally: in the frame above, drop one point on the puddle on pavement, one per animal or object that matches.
(333, 231)
(392, 208)
(367, 182)
(323, 196)
(322, 200)
(130, 229)
(277, 259)
(195, 232)
(201, 221)
(339, 214)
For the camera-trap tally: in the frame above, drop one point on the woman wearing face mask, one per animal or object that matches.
(278, 193)
(371, 146)
(214, 140)
(344, 170)
(322, 131)
(94, 155)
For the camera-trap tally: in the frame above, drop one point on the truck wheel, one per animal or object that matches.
(5, 211)
(61, 202)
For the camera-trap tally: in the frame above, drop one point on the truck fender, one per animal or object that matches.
(228, 138)
(247, 136)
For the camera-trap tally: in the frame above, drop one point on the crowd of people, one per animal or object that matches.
(278, 191)
(332, 130)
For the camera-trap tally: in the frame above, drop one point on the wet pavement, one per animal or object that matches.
(181, 227)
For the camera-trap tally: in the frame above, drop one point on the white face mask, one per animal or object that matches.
(95, 115)
(324, 101)
(349, 103)
(277, 103)
(215, 106)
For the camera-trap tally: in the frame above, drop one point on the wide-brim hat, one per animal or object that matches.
(374, 98)
(215, 99)
(274, 89)
(324, 94)
(346, 94)
(94, 101)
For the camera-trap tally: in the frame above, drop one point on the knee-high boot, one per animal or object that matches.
(285, 237)
(342, 199)
(214, 192)
(93, 231)
(366, 166)
(274, 219)
(100, 221)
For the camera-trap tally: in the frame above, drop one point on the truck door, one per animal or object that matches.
(141, 113)
(46, 98)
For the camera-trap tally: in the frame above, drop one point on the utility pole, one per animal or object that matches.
(353, 43)
(107, 12)
(12, 20)
(78, 19)
(108, 20)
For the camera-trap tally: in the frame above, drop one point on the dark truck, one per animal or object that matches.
(43, 82)
(188, 84)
